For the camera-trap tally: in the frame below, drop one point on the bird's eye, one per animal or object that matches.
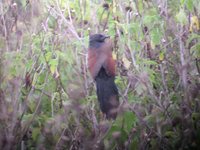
(101, 38)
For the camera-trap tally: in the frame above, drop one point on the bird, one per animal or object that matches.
(101, 66)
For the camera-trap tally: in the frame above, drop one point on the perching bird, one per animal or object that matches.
(102, 69)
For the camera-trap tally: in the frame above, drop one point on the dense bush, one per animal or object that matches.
(48, 99)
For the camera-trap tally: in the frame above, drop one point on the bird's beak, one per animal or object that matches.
(107, 36)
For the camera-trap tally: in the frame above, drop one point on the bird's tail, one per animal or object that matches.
(107, 94)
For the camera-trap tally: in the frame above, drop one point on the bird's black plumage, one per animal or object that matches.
(107, 93)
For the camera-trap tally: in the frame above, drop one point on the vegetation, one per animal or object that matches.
(48, 98)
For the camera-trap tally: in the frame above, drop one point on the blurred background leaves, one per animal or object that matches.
(48, 99)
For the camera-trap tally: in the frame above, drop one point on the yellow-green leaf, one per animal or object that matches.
(161, 56)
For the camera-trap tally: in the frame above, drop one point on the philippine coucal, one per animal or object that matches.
(102, 69)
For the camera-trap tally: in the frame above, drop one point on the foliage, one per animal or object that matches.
(48, 99)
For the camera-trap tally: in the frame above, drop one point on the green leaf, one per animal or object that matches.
(182, 2)
(53, 62)
(155, 36)
(149, 19)
(140, 5)
(29, 64)
(24, 3)
(129, 120)
(189, 4)
(48, 56)
(149, 62)
(27, 117)
(192, 37)
(170, 134)
(195, 116)
(31, 106)
(52, 69)
(35, 133)
(161, 56)
(115, 127)
(196, 50)
(181, 17)
(140, 89)
(134, 144)
(13, 71)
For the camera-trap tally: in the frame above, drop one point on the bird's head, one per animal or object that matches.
(97, 40)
